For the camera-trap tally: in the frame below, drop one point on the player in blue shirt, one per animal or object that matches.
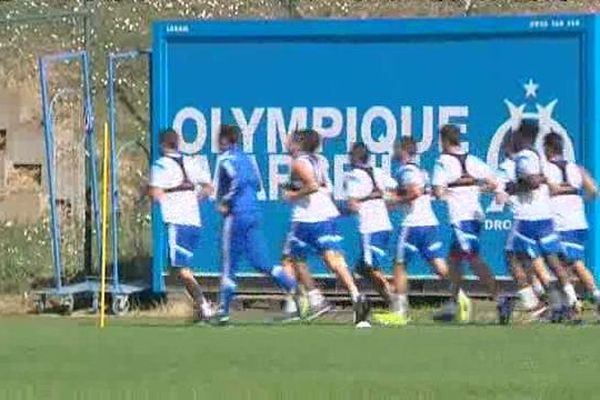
(242, 235)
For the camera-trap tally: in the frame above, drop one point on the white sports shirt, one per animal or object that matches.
(181, 207)
(317, 206)
(507, 173)
(463, 201)
(533, 205)
(568, 209)
(418, 212)
(372, 214)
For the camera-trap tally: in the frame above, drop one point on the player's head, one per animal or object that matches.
(359, 154)
(228, 136)
(553, 145)
(450, 137)
(397, 155)
(307, 140)
(509, 145)
(407, 149)
(169, 141)
(524, 137)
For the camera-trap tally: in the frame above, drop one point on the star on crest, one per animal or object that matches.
(531, 88)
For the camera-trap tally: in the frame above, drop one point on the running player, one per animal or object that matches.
(366, 188)
(176, 184)
(420, 231)
(528, 293)
(534, 227)
(459, 178)
(566, 181)
(313, 224)
(242, 234)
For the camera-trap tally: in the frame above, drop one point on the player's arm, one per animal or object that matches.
(439, 180)
(589, 184)
(487, 179)
(156, 194)
(227, 186)
(409, 193)
(351, 183)
(310, 185)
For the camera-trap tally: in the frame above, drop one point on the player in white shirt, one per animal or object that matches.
(566, 181)
(313, 224)
(420, 231)
(534, 233)
(366, 190)
(458, 179)
(530, 289)
(178, 183)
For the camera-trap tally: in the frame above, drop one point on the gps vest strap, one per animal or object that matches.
(376, 192)
(186, 185)
(465, 179)
(562, 165)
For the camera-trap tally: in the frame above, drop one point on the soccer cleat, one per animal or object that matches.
(362, 309)
(363, 325)
(505, 308)
(447, 313)
(390, 319)
(317, 311)
(537, 314)
(221, 318)
(202, 312)
(557, 315)
(464, 307)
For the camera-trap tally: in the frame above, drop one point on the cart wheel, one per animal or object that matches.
(68, 304)
(40, 305)
(120, 305)
(95, 303)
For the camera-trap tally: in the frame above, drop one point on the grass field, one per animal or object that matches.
(61, 358)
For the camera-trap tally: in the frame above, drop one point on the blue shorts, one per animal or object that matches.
(242, 238)
(535, 238)
(465, 237)
(573, 244)
(419, 240)
(374, 248)
(317, 236)
(183, 242)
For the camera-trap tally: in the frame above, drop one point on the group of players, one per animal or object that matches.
(545, 193)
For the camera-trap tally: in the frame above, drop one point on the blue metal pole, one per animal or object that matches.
(114, 184)
(49, 149)
(91, 147)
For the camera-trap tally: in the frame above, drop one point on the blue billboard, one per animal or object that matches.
(370, 81)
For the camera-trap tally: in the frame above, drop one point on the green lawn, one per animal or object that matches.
(61, 358)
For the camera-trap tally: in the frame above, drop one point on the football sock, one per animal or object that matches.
(354, 294)
(555, 296)
(228, 288)
(571, 296)
(399, 303)
(538, 288)
(282, 279)
(528, 298)
(315, 298)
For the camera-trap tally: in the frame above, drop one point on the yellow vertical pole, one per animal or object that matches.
(104, 226)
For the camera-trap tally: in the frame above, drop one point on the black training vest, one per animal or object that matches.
(465, 179)
(186, 185)
(562, 165)
(376, 192)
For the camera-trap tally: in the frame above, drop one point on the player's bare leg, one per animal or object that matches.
(399, 301)
(201, 306)
(459, 306)
(564, 287)
(336, 263)
(588, 281)
(525, 290)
